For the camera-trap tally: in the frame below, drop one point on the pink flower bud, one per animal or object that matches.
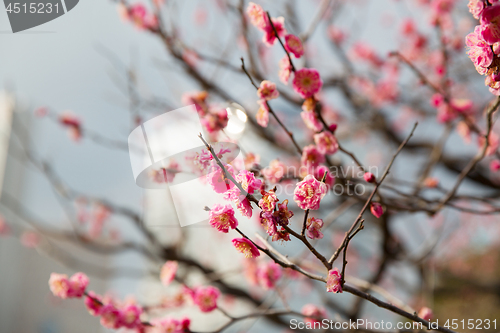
(369, 177)
(376, 209)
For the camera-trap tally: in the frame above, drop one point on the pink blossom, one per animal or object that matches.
(311, 156)
(130, 316)
(251, 160)
(293, 44)
(262, 114)
(431, 182)
(493, 143)
(111, 317)
(376, 209)
(369, 177)
(4, 227)
(199, 99)
(248, 181)
(78, 283)
(269, 274)
(285, 69)
(246, 247)
(275, 171)
(332, 128)
(319, 172)
(334, 281)
(476, 8)
(479, 51)
(313, 313)
(425, 313)
(257, 15)
(363, 51)
(311, 121)
(269, 36)
(490, 24)
(94, 304)
(326, 143)
(495, 165)
(215, 120)
(309, 193)
(59, 285)
(268, 201)
(167, 273)
(283, 214)
(206, 298)
(267, 90)
(73, 123)
(336, 35)
(222, 218)
(169, 325)
(307, 82)
(442, 7)
(218, 180)
(314, 226)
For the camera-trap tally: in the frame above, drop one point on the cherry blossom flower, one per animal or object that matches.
(431, 182)
(246, 247)
(168, 271)
(78, 283)
(59, 285)
(94, 304)
(218, 180)
(476, 7)
(268, 201)
(311, 121)
(111, 317)
(257, 15)
(490, 24)
(285, 70)
(293, 44)
(363, 51)
(251, 160)
(307, 82)
(311, 156)
(267, 90)
(319, 172)
(215, 120)
(275, 171)
(314, 226)
(222, 218)
(376, 209)
(199, 99)
(334, 281)
(336, 35)
(269, 274)
(262, 114)
(248, 181)
(369, 177)
(269, 35)
(309, 193)
(313, 313)
(130, 315)
(326, 143)
(479, 51)
(425, 313)
(206, 298)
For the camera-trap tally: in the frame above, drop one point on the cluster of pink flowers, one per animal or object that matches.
(73, 287)
(170, 325)
(484, 42)
(246, 247)
(258, 18)
(309, 193)
(222, 218)
(274, 221)
(450, 111)
(250, 184)
(334, 281)
(213, 118)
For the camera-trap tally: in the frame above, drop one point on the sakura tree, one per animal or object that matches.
(368, 168)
